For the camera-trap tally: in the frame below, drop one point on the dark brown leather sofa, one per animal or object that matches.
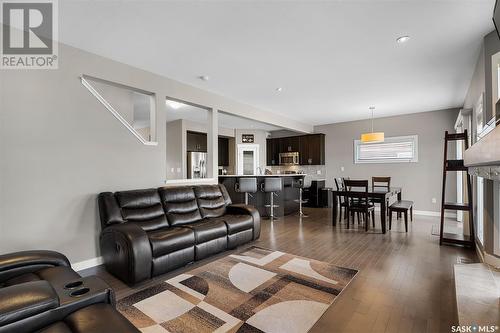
(39, 292)
(149, 232)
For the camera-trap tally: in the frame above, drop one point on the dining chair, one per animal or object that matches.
(383, 183)
(339, 184)
(356, 193)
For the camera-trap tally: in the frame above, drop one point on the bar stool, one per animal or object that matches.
(246, 185)
(271, 185)
(303, 183)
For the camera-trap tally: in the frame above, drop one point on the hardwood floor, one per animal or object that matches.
(405, 280)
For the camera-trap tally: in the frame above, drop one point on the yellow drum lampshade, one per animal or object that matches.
(372, 137)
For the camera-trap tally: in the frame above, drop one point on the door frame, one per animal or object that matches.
(241, 147)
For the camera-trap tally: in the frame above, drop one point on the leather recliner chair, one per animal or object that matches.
(40, 292)
(149, 232)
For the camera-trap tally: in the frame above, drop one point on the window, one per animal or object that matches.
(393, 150)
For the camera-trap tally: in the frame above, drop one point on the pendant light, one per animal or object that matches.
(372, 136)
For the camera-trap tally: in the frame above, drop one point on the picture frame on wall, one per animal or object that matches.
(247, 138)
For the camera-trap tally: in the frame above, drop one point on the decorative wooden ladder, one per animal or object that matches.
(458, 166)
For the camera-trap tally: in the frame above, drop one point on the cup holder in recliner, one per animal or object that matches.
(79, 292)
(73, 285)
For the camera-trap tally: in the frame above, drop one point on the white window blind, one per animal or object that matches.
(393, 150)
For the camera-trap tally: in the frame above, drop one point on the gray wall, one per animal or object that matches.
(59, 147)
(420, 181)
(175, 149)
(477, 84)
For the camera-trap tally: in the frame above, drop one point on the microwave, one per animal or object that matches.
(289, 158)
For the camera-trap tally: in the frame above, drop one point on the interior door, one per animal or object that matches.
(248, 159)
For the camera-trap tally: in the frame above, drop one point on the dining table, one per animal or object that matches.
(383, 195)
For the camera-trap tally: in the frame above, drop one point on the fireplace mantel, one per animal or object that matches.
(485, 152)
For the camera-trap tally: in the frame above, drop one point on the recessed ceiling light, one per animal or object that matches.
(174, 105)
(403, 39)
(279, 89)
(204, 77)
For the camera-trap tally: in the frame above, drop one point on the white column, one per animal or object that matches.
(213, 144)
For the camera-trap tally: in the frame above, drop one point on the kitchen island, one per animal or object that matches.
(285, 199)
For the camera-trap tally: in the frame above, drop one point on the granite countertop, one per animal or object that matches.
(276, 175)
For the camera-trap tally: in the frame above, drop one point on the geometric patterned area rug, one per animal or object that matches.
(258, 290)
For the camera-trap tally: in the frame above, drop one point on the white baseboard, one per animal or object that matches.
(431, 213)
(427, 213)
(79, 266)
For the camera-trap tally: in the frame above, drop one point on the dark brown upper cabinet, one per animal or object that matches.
(223, 151)
(272, 151)
(311, 148)
(196, 141)
(290, 144)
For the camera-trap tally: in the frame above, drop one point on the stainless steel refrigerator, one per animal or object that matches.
(196, 165)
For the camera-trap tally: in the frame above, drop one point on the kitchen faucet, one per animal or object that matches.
(259, 170)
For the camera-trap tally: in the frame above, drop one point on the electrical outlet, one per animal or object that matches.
(342, 169)
(434, 200)
(172, 170)
(318, 172)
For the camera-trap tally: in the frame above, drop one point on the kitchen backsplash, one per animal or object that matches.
(315, 171)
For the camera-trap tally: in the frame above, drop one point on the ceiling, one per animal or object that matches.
(225, 120)
(333, 59)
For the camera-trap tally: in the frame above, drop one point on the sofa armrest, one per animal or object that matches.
(242, 209)
(17, 263)
(21, 301)
(127, 252)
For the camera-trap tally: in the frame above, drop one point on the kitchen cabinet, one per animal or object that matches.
(272, 151)
(289, 144)
(312, 194)
(223, 151)
(196, 141)
(311, 148)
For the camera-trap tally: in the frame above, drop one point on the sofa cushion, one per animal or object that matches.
(98, 317)
(142, 207)
(210, 200)
(168, 240)
(237, 223)
(208, 230)
(25, 300)
(180, 205)
(54, 275)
